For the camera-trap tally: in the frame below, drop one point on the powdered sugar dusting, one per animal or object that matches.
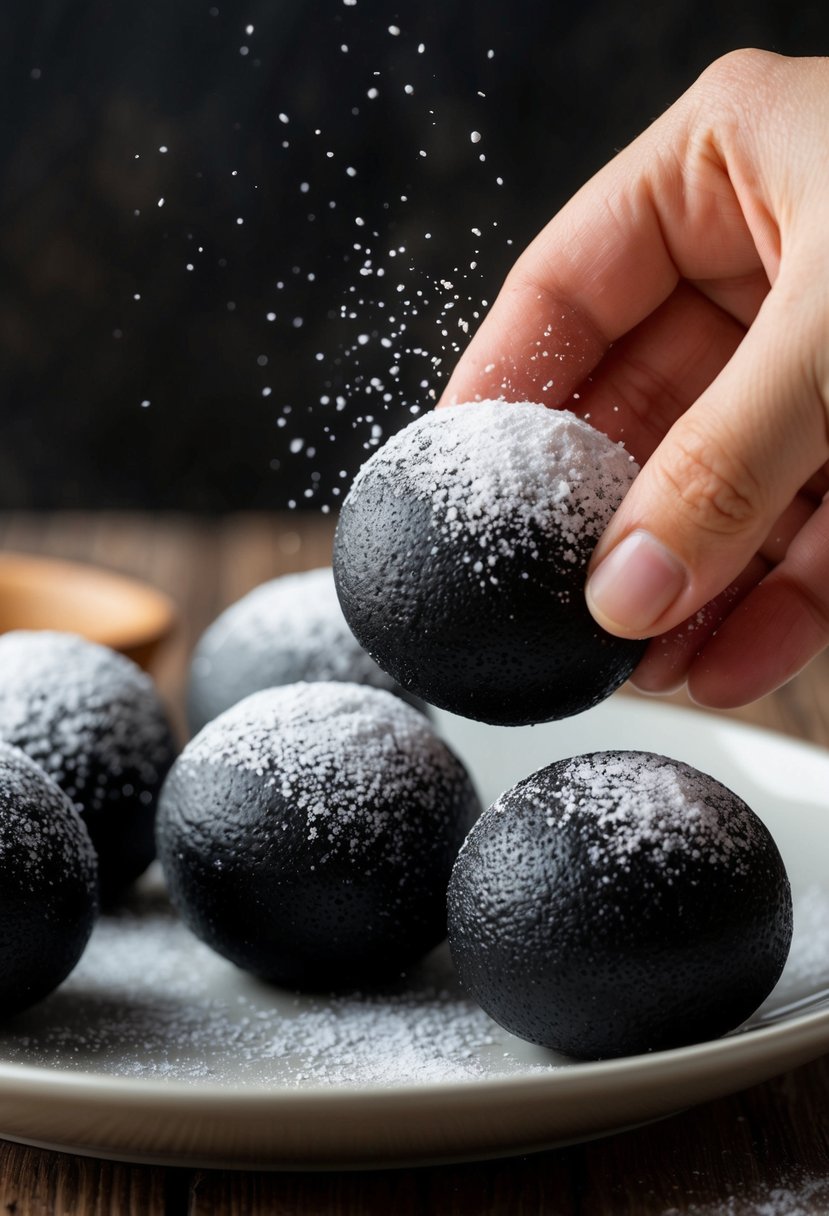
(807, 968)
(345, 755)
(642, 803)
(148, 1000)
(288, 629)
(796, 1192)
(76, 707)
(501, 473)
(41, 833)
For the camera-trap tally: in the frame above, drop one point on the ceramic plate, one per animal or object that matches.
(156, 1050)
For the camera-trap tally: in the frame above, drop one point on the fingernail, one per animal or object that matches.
(635, 584)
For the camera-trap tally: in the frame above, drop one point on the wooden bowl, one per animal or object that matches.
(44, 593)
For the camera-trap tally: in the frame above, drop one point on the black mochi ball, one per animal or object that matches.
(93, 720)
(461, 554)
(285, 631)
(308, 834)
(617, 903)
(48, 883)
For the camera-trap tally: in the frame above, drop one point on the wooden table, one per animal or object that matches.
(764, 1151)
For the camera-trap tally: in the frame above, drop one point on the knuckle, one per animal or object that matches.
(740, 68)
(724, 99)
(715, 489)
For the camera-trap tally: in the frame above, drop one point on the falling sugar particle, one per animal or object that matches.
(475, 136)
(372, 93)
(394, 30)
(164, 148)
(161, 202)
(270, 316)
(239, 220)
(145, 404)
(248, 29)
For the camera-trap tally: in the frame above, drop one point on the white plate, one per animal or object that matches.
(156, 1050)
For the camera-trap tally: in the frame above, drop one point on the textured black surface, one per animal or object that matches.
(302, 909)
(94, 721)
(598, 961)
(525, 650)
(48, 884)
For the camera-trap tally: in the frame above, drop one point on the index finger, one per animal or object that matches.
(663, 209)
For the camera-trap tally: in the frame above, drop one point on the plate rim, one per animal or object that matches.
(748, 1057)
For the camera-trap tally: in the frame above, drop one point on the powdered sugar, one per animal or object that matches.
(41, 833)
(502, 473)
(346, 755)
(796, 1193)
(148, 1000)
(285, 630)
(76, 708)
(645, 804)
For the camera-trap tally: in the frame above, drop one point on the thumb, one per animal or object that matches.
(705, 501)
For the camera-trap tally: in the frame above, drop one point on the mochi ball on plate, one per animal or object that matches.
(95, 723)
(48, 883)
(288, 630)
(308, 834)
(619, 902)
(461, 554)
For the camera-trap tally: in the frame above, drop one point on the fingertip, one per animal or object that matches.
(663, 668)
(631, 589)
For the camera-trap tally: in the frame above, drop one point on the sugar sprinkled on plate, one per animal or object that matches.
(148, 1000)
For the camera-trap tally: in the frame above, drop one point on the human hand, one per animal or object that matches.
(680, 303)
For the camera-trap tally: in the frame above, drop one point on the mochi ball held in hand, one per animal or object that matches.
(461, 555)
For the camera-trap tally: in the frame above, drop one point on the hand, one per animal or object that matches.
(680, 302)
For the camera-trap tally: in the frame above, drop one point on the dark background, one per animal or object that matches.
(92, 89)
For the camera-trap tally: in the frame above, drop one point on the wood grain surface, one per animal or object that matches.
(762, 1152)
